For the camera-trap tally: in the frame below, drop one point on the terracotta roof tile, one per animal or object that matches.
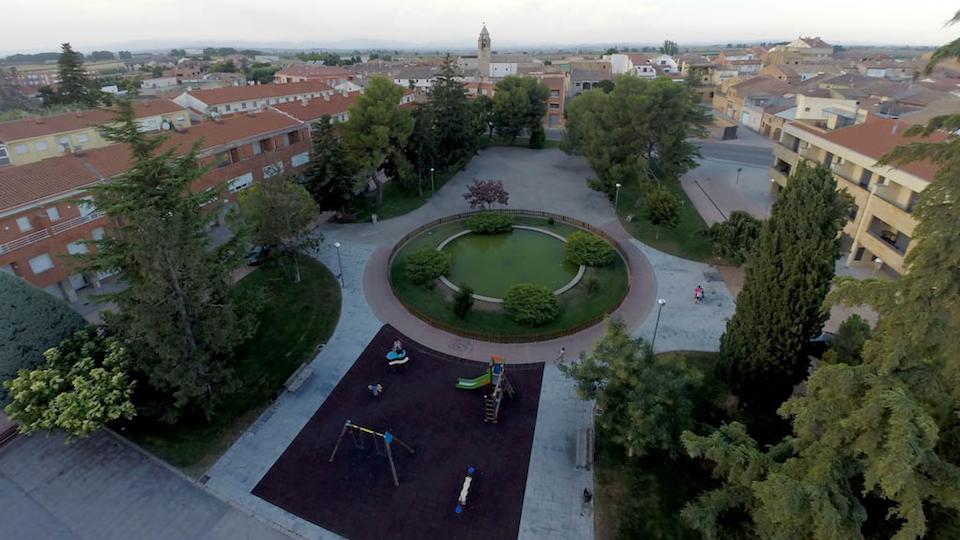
(303, 70)
(60, 123)
(317, 107)
(229, 94)
(26, 183)
(876, 137)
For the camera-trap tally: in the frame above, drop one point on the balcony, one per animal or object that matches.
(894, 239)
(75, 222)
(785, 153)
(23, 241)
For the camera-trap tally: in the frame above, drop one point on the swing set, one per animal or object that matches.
(383, 449)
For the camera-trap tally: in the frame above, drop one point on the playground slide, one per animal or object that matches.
(473, 384)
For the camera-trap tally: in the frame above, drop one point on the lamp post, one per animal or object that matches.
(879, 263)
(772, 197)
(343, 285)
(738, 174)
(662, 303)
(616, 200)
(433, 190)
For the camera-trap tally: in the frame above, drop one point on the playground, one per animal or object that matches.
(435, 447)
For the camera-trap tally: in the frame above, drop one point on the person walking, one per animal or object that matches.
(697, 294)
(562, 350)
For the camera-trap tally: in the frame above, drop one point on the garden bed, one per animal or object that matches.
(578, 309)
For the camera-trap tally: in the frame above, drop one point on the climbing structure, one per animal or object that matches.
(501, 386)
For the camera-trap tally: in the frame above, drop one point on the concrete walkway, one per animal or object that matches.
(102, 489)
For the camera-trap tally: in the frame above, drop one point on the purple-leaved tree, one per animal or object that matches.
(484, 194)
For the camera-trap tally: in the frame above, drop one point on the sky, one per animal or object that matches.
(94, 24)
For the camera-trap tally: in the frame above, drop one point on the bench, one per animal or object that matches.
(585, 447)
(300, 376)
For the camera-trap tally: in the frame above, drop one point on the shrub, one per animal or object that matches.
(31, 322)
(662, 209)
(425, 265)
(538, 138)
(588, 250)
(530, 305)
(591, 285)
(463, 301)
(490, 223)
(550, 221)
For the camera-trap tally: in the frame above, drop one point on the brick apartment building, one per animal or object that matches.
(329, 75)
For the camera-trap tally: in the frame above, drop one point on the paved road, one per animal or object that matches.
(737, 151)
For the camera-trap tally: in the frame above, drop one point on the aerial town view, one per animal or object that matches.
(505, 271)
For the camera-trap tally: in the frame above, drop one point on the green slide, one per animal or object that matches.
(473, 384)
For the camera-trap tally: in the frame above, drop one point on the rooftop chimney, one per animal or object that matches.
(304, 101)
(345, 94)
(326, 97)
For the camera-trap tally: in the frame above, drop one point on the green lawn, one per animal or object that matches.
(397, 202)
(642, 498)
(296, 318)
(576, 306)
(684, 240)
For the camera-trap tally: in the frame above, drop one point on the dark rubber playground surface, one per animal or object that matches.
(355, 496)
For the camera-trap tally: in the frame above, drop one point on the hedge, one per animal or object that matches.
(31, 321)
(530, 305)
(490, 223)
(588, 250)
(425, 265)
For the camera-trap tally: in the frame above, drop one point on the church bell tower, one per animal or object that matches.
(483, 54)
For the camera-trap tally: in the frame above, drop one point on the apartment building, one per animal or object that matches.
(881, 222)
(744, 102)
(328, 75)
(41, 219)
(34, 139)
(243, 99)
(559, 84)
(310, 111)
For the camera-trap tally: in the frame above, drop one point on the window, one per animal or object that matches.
(24, 224)
(555, 106)
(266, 145)
(240, 183)
(865, 178)
(228, 108)
(294, 137)
(286, 139)
(20, 149)
(4, 156)
(213, 109)
(235, 155)
(41, 263)
(222, 159)
(41, 146)
(273, 101)
(99, 233)
(853, 212)
(65, 142)
(181, 119)
(256, 149)
(554, 93)
(243, 105)
(77, 247)
(83, 137)
(806, 109)
(300, 159)
(53, 213)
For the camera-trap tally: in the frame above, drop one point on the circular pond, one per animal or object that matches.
(492, 263)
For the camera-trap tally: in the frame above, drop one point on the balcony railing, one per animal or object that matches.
(75, 222)
(24, 241)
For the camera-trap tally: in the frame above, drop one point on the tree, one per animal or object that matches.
(647, 402)
(611, 50)
(456, 134)
(83, 385)
(181, 53)
(669, 48)
(96, 56)
(279, 213)
(125, 55)
(179, 315)
(422, 146)
(331, 177)
(224, 67)
(31, 322)
(519, 105)
(377, 129)
(639, 130)
(606, 85)
(763, 351)
(733, 240)
(482, 113)
(11, 98)
(847, 344)
(484, 194)
(662, 209)
(462, 301)
(74, 86)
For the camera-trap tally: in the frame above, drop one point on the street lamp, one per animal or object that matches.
(340, 264)
(738, 174)
(433, 190)
(879, 262)
(616, 200)
(662, 303)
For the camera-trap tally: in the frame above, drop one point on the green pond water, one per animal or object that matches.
(492, 263)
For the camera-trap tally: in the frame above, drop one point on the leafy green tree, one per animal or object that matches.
(483, 119)
(639, 130)
(519, 105)
(96, 56)
(262, 74)
(74, 86)
(538, 137)
(611, 50)
(647, 402)
(279, 214)
(947, 51)
(847, 344)
(377, 129)
(179, 314)
(180, 53)
(456, 134)
(733, 240)
(83, 385)
(662, 208)
(331, 177)
(764, 349)
(224, 67)
(31, 322)
(669, 48)
(422, 147)
(125, 55)
(606, 85)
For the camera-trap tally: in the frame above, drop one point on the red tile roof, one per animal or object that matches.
(317, 107)
(303, 70)
(60, 123)
(876, 137)
(816, 43)
(26, 183)
(229, 94)
(234, 128)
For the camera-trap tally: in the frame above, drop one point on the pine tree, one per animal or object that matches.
(74, 86)
(422, 146)
(331, 177)
(519, 105)
(179, 314)
(455, 131)
(788, 277)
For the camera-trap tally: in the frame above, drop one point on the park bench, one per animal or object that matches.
(300, 376)
(585, 447)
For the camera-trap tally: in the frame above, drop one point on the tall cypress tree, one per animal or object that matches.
(455, 132)
(179, 313)
(75, 87)
(781, 306)
(331, 177)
